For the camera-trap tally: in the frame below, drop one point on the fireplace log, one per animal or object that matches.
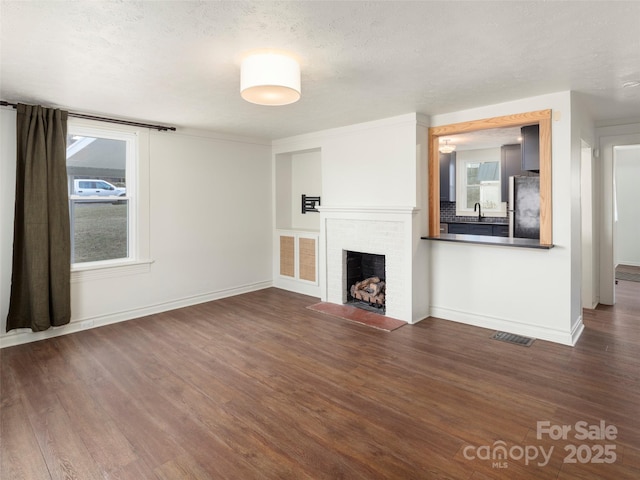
(371, 290)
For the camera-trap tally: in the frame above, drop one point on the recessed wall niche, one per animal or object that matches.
(297, 174)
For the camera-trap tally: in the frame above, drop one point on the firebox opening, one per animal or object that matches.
(366, 281)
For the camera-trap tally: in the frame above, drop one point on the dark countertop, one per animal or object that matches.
(487, 240)
(506, 224)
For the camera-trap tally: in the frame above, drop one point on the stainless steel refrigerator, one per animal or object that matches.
(524, 207)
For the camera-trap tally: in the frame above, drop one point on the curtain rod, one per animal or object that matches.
(161, 128)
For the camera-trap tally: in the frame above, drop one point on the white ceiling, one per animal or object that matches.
(178, 62)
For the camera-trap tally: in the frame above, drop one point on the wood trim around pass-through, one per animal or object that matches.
(541, 117)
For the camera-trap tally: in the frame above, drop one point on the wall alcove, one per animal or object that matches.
(297, 174)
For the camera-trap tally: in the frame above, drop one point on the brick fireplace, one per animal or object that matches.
(380, 231)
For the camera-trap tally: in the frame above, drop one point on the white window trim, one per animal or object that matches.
(461, 190)
(138, 196)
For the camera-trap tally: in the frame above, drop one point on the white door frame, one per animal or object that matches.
(589, 291)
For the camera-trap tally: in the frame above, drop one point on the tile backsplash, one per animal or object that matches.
(448, 215)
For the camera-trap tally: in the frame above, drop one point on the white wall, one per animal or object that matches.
(520, 290)
(590, 291)
(420, 247)
(627, 174)
(306, 178)
(210, 230)
(369, 164)
(582, 131)
(7, 205)
(282, 185)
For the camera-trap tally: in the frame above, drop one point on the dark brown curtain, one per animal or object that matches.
(40, 280)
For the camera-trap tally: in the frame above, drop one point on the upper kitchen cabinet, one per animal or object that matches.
(510, 165)
(531, 148)
(448, 177)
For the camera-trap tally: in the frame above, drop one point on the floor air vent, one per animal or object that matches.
(513, 338)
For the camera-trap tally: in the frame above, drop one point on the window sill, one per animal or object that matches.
(79, 274)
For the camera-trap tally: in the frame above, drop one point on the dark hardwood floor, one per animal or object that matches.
(260, 387)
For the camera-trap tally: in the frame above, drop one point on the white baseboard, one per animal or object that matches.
(628, 263)
(504, 325)
(19, 337)
(576, 331)
(297, 286)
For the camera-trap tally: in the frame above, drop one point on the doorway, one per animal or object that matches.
(613, 149)
(626, 161)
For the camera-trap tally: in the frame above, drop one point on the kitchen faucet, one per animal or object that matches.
(478, 208)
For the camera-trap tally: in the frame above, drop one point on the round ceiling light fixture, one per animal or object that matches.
(446, 148)
(270, 78)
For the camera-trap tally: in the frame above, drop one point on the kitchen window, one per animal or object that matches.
(478, 181)
(104, 208)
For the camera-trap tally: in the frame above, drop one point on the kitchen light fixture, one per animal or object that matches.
(270, 79)
(446, 148)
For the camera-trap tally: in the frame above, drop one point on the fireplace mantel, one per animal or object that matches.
(330, 210)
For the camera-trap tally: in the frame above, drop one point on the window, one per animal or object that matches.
(102, 182)
(479, 182)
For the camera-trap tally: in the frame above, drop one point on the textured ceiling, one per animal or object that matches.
(178, 63)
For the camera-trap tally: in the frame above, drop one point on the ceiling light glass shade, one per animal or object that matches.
(270, 79)
(446, 148)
